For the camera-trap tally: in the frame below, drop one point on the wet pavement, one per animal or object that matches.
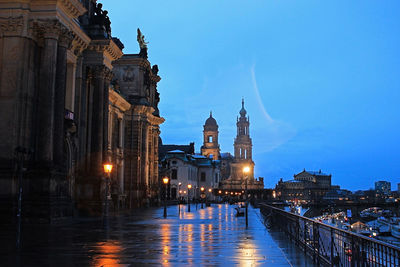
(212, 236)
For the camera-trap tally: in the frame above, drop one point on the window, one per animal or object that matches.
(203, 177)
(174, 174)
(173, 162)
(210, 139)
(173, 193)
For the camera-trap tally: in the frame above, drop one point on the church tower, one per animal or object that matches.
(242, 146)
(210, 146)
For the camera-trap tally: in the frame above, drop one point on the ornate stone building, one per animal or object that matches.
(307, 186)
(242, 158)
(59, 119)
(210, 148)
(138, 84)
(117, 117)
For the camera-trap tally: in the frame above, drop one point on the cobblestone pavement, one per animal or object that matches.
(212, 236)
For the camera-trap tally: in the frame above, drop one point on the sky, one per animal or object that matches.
(320, 80)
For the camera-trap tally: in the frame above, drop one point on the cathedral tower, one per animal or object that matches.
(242, 146)
(210, 146)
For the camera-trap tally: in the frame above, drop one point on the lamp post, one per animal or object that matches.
(189, 187)
(165, 181)
(209, 203)
(179, 198)
(246, 171)
(107, 169)
(202, 196)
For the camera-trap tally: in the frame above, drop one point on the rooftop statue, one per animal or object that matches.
(140, 38)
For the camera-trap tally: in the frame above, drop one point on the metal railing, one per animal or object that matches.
(328, 245)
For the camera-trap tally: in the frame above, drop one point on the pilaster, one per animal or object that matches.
(50, 31)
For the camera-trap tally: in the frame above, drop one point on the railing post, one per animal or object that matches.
(305, 237)
(332, 244)
(352, 252)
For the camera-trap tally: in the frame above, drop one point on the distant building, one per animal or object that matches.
(383, 187)
(338, 195)
(186, 169)
(307, 186)
(226, 159)
(164, 149)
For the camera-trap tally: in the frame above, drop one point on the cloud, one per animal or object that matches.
(274, 132)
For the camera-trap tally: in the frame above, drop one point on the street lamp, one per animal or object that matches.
(202, 195)
(189, 187)
(246, 171)
(107, 169)
(165, 181)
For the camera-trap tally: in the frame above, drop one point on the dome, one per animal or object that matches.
(211, 121)
(243, 112)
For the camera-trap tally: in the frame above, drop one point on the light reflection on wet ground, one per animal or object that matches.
(210, 236)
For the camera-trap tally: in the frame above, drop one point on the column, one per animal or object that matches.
(47, 92)
(96, 159)
(59, 98)
(107, 117)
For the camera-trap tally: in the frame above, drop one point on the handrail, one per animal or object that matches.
(329, 245)
(330, 226)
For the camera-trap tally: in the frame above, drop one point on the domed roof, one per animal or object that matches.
(211, 121)
(243, 112)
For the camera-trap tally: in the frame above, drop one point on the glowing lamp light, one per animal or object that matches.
(219, 192)
(180, 184)
(246, 169)
(209, 190)
(165, 180)
(189, 186)
(202, 189)
(107, 167)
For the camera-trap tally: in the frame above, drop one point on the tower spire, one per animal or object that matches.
(210, 113)
(242, 102)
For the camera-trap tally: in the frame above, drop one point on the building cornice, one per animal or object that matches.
(146, 113)
(118, 101)
(108, 48)
(69, 8)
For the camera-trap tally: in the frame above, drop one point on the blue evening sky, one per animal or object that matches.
(321, 79)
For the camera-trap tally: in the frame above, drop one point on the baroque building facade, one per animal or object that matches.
(66, 115)
(307, 187)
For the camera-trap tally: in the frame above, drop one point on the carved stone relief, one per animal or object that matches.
(128, 75)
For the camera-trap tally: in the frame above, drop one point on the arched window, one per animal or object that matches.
(210, 139)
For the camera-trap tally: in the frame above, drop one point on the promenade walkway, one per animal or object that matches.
(212, 236)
